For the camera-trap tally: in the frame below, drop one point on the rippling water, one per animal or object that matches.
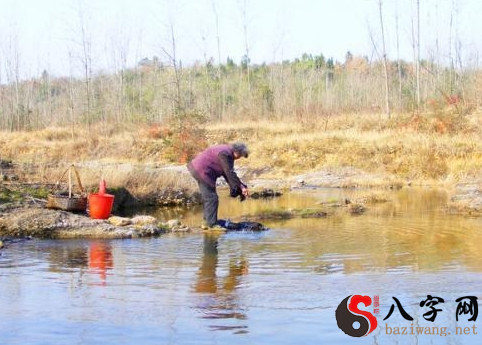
(281, 286)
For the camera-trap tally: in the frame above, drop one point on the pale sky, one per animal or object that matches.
(38, 35)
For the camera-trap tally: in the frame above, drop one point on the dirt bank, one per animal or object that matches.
(34, 220)
(466, 198)
(23, 212)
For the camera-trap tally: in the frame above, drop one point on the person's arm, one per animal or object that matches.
(227, 163)
(235, 184)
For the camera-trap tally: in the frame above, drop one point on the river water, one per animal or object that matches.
(281, 286)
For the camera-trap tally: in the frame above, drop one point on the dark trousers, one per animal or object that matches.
(210, 203)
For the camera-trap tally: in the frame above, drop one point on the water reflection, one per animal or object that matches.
(412, 232)
(79, 257)
(283, 285)
(66, 257)
(100, 259)
(220, 300)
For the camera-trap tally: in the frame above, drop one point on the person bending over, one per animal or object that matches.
(207, 167)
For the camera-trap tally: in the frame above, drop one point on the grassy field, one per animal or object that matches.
(441, 149)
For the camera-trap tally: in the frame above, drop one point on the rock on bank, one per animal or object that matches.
(37, 221)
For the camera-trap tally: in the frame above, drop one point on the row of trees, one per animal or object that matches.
(163, 90)
(310, 86)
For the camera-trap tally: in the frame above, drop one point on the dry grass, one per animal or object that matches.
(419, 154)
(425, 148)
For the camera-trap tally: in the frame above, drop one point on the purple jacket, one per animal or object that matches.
(214, 162)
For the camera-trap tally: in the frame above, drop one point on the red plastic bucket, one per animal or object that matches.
(100, 205)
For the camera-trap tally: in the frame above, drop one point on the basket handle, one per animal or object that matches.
(72, 167)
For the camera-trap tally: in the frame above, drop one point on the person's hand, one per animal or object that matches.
(245, 191)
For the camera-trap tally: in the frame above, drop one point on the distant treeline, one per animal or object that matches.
(307, 88)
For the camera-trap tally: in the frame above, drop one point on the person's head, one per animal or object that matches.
(240, 150)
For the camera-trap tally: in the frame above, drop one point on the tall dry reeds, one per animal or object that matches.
(408, 148)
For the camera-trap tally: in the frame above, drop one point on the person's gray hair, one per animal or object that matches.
(241, 149)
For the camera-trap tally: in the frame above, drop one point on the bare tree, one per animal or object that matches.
(177, 66)
(222, 86)
(119, 49)
(84, 55)
(385, 62)
(416, 50)
(12, 72)
(244, 12)
(399, 62)
(71, 98)
(170, 50)
(457, 60)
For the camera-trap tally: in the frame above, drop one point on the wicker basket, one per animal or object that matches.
(68, 201)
